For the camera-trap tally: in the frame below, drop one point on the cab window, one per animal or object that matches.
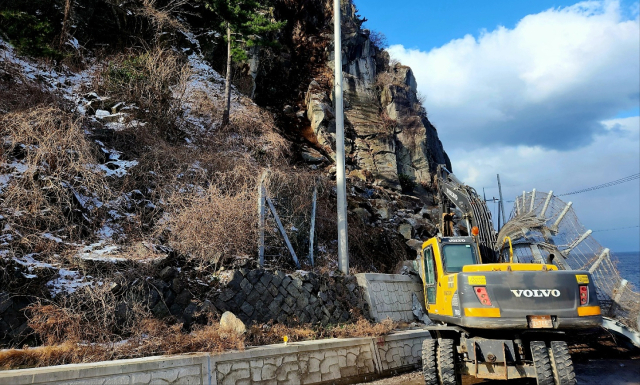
(456, 256)
(430, 275)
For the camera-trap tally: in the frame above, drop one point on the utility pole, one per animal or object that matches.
(343, 244)
(501, 203)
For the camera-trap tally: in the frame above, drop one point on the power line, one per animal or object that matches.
(600, 186)
(617, 228)
(604, 185)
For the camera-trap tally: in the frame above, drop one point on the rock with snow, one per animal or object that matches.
(102, 114)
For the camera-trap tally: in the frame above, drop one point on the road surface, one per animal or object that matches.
(592, 372)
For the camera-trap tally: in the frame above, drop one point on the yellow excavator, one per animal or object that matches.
(497, 320)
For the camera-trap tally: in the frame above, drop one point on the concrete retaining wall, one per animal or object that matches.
(311, 362)
(391, 295)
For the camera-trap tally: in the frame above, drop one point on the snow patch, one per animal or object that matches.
(4, 181)
(68, 281)
(51, 237)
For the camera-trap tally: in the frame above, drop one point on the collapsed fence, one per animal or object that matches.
(544, 229)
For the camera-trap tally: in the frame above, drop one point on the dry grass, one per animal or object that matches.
(154, 337)
(155, 80)
(51, 145)
(273, 334)
(163, 18)
(18, 93)
(214, 225)
(66, 353)
(363, 328)
(89, 314)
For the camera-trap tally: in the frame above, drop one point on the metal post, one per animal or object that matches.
(605, 253)
(564, 212)
(533, 199)
(261, 213)
(546, 204)
(499, 225)
(312, 232)
(343, 246)
(501, 201)
(575, 244)
(283, 232)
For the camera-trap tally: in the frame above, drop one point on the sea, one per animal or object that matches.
(628, 264)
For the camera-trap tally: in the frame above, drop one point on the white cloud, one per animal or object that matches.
(536, 104)
(613, 154)
(548, 82)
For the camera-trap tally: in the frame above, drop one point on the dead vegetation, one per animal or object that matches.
(56, 184)
(154, 337)
(213, 225)
(154, 80)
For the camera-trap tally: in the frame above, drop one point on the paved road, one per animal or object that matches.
(594, 372)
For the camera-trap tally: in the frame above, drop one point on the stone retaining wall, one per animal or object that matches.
(261, 296)
(391, 295)
(345, 361)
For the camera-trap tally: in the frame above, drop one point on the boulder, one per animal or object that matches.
(229, 323)
(363, 214)
(311, 155)
(405, 230)
(358, 174)
(415, 244)
(381, 208)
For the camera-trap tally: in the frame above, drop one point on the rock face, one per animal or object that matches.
(388, 134)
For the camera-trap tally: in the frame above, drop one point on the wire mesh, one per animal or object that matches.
(552, 227)
(297, 227)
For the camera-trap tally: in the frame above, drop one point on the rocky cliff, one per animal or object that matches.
(390, 140)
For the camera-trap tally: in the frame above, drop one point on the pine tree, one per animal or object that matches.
(248, 23)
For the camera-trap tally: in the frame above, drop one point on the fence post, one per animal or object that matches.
(261, 213)
(313, 224)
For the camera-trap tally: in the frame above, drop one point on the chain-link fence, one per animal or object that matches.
(545, 229)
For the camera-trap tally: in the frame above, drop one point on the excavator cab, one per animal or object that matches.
(441, 259)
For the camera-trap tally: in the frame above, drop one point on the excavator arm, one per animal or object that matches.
(473, 208)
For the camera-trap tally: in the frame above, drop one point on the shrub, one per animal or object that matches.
(215, 224)
(406, 182)
(29, 34)
(379, 39)
(154, 80)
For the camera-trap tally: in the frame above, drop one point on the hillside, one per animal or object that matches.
(127, 206)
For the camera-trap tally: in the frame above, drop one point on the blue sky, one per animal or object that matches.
(545, 93)
(429, 24)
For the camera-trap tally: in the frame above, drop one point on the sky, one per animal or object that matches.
(544, 93)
